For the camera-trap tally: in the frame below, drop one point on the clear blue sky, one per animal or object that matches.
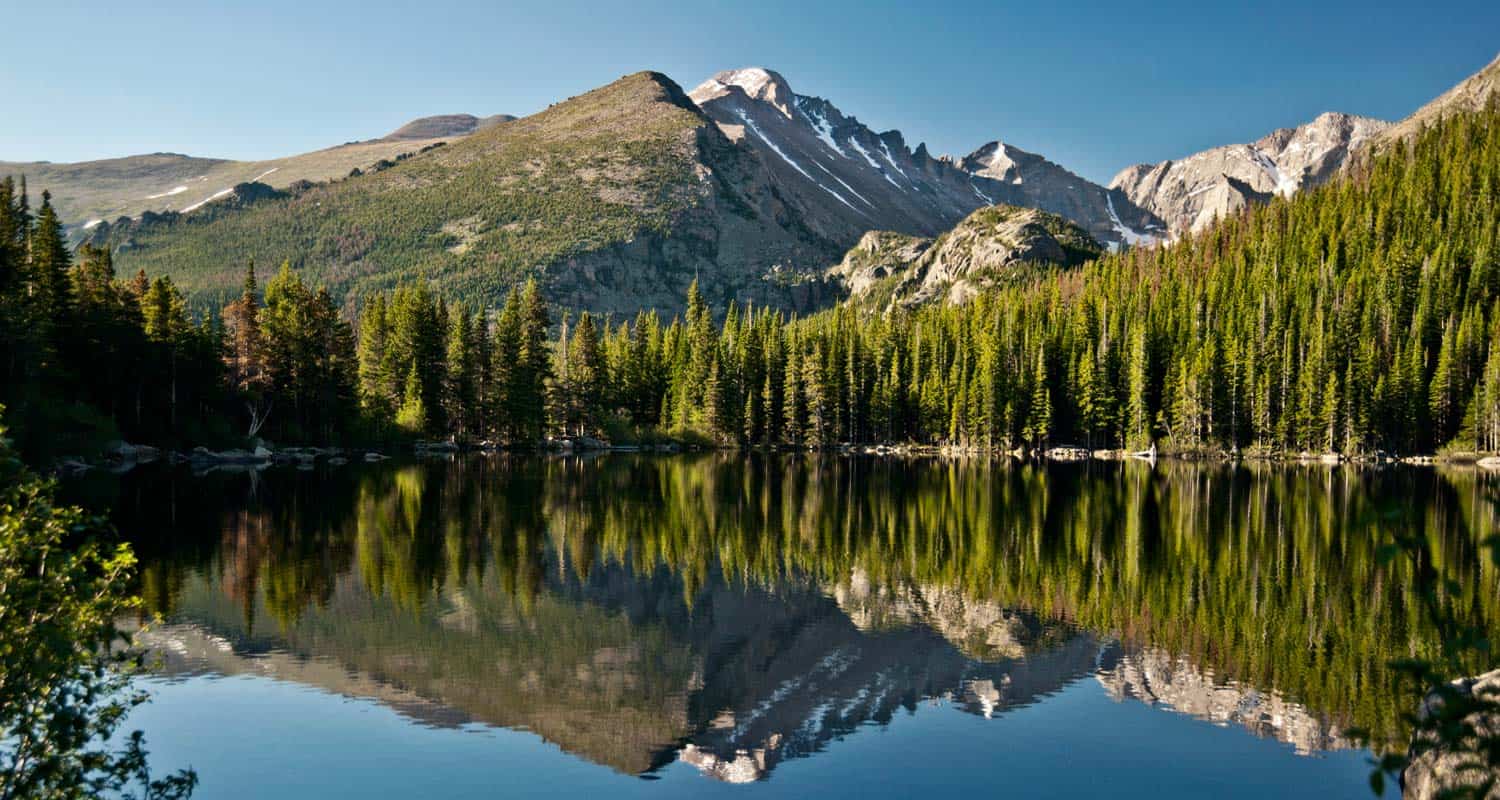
(1095, 87)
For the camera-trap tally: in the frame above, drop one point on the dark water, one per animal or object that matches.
(790, 626)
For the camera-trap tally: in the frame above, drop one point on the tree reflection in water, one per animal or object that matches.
(736, 611)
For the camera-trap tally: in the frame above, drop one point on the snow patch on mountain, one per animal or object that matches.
(167, 193)
(1281, 184)
(845, 185)
(755, 129)
(1131, 236)
(207, 200)
(858, 148)
(820, 125)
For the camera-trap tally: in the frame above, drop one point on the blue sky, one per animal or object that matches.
(1094, 86)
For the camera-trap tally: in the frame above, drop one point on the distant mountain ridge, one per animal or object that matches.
(89, 192)
(616, 200)
(1192, 192)
(445, 125)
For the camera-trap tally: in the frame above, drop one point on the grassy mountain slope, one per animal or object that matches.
(90, 191)
(616, 198)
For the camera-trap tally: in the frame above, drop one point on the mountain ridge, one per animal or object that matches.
(877, 182)
(1191, 192)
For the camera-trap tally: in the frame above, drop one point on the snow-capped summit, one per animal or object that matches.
(848, 179)
(758, 83)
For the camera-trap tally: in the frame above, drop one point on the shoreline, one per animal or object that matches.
(123, 457)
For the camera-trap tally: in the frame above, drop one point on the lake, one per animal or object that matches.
(788, 625)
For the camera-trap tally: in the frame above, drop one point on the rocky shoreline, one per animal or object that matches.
(124, 456)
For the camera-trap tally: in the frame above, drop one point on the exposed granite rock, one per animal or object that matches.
(988, 248)
(1436, 770)
(1190, 193)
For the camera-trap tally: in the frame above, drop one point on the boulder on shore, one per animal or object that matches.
(1438, 768)
(125, 451)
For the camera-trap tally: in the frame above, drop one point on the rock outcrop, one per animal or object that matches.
(990, 247)
(1438, 768)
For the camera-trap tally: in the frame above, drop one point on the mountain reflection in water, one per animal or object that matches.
(734, 613)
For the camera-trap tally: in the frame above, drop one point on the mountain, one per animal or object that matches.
(444, 125)
(848, 179)
(993, 245)
(1191, 193)
(1471, 94)
(616, 200)
(1109, 215)
(89, 192)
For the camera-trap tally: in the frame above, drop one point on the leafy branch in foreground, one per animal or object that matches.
(65, 681)
(1455, 744)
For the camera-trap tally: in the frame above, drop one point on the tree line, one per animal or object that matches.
(1353, 318)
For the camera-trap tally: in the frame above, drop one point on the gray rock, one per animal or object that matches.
(988, 247)
(1190, 193)
(1437, 769)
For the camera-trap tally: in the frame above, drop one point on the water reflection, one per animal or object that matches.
(734, 613)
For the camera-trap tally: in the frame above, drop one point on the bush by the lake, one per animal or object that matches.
(65, 667)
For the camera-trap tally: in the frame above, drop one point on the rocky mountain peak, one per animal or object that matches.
(757, 83)
(849, 179)
(1191, 192)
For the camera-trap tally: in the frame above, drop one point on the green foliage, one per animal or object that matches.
(85, 357)
(64, 685)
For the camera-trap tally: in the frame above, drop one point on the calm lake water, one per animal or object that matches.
(787, 625)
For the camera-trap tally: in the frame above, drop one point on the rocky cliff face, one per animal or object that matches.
(989, 247)
(845, 179)
(1190, 193)
(1155, 677)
